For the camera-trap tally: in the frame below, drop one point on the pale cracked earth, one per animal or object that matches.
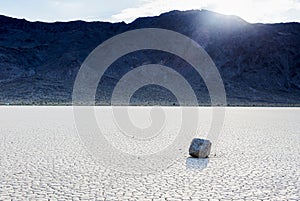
(257, 158)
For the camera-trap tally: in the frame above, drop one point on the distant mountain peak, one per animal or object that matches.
(259, 63)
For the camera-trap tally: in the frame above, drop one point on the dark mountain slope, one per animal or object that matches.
(259, 63)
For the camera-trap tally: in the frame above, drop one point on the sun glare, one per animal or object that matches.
(244, 9)
(266, 11)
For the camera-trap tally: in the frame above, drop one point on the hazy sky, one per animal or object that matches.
(266, 11)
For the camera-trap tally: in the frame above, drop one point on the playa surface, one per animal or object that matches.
(257, 158)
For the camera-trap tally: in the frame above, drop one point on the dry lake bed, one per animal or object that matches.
(257, 158)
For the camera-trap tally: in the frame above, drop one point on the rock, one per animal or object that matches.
(200, 148)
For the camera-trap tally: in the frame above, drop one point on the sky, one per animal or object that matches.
(253, 11)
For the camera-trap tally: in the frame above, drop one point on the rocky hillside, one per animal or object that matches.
(259, 63)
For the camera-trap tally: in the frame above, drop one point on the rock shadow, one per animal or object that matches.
(196, 163)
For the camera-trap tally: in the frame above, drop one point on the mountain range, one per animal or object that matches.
(259, 63)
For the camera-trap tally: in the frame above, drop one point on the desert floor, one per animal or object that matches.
(257, 158)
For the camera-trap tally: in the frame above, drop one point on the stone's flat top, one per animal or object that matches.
(257, 158)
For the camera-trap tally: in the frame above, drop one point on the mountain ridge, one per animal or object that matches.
(259, 63)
